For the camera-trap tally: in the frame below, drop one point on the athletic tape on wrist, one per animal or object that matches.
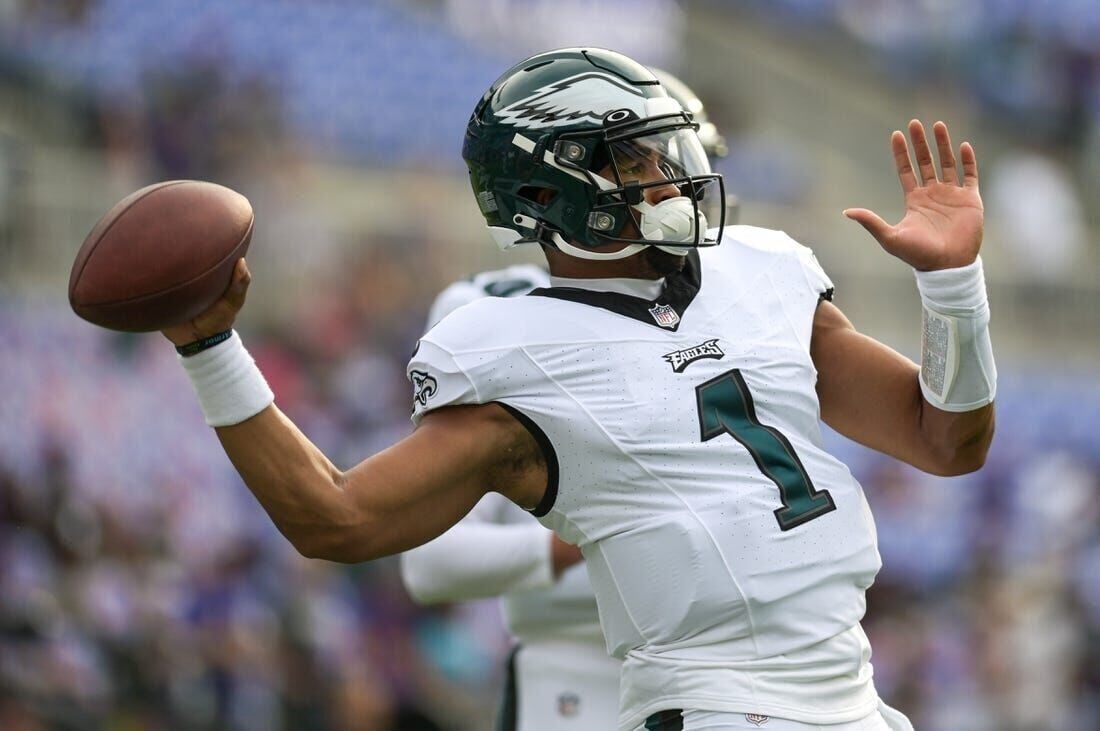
(957, 368)
(230, 387)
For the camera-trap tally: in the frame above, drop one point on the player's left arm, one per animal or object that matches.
(941, 418)
(871, 393)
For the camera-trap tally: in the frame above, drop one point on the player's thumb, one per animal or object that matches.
(872, 222)
(238, 287)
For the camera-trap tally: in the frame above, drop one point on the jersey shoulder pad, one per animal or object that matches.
(486, 323)
(780, 243)
(762, 239)
(455, 362)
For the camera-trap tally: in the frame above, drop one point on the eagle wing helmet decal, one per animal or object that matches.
(592, 95)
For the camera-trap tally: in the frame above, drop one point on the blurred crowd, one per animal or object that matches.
(1029, 70)
(1032, 67)
(1035, 66)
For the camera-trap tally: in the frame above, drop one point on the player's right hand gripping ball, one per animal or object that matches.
(161, 256)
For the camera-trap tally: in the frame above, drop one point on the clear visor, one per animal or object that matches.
(673, 153)
(665, 179)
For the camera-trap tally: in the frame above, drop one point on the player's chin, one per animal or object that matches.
(662, 262)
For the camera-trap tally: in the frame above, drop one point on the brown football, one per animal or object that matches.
(161, 256)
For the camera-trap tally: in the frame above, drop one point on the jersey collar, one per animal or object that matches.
(646, 289)
(665, 311)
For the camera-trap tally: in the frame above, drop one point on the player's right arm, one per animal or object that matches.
(395, 500)
(390, 502)
(481, 557)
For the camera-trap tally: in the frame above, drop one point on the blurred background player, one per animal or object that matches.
(559, 675)
(714, 142)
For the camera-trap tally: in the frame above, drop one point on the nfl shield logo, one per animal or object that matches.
(569, 704)
(664, 315)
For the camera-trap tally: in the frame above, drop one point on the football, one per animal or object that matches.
(160, 256)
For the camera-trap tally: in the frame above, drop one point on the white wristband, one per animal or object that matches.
(230, 387)
(954, 291)
(957, 369)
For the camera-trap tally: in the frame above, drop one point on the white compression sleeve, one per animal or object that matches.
(957, 369)
(475, 559)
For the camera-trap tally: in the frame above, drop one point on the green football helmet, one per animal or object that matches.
(582, 147)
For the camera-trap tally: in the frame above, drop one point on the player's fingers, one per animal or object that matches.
(872, 222)
(946, 153)
(901, 160)
(922, 152)
(969, 165)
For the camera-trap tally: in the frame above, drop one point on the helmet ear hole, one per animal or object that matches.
(537, 194)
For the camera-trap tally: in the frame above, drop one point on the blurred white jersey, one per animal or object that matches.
(564, 609)
(561, 675)
(728, 551)
(507, 282)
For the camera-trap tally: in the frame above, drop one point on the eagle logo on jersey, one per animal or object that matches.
(424, 387)
(681, 359)
(756, 719)
(591, 94)
(664, 315)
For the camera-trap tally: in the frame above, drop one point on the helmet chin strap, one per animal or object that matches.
(564, 246)
(672, 220)
(575, 251)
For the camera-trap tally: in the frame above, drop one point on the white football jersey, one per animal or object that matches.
(728, 551)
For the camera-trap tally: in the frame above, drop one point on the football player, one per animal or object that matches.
(560, 675)
(657, 406)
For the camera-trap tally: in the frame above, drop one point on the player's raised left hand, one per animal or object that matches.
(942, 226)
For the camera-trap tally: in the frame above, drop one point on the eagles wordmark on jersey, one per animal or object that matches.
(728, 551)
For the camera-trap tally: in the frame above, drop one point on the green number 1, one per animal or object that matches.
(725, 407)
